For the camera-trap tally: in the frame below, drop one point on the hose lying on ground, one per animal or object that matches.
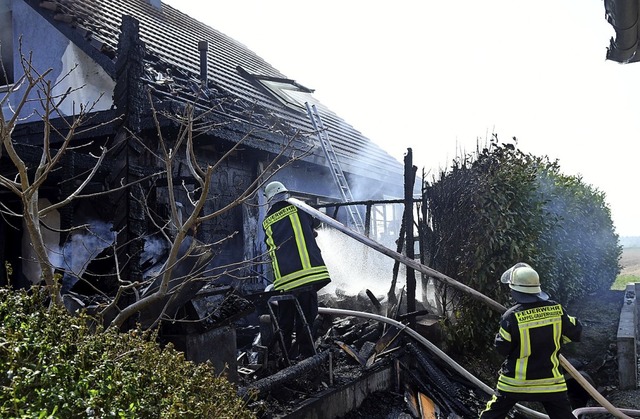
(430, 346)
(600, 410)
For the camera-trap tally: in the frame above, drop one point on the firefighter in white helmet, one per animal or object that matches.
(531, 334)
(297, 265)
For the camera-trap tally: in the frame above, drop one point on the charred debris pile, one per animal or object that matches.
(355, 357)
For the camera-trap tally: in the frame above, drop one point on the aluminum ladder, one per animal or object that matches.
(334, 165)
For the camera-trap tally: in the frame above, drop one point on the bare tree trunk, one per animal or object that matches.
(27, 183)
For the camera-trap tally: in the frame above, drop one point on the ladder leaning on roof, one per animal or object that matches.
(334, 165)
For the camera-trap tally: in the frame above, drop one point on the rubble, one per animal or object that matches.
(353, 350)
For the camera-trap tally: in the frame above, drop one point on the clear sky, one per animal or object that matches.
(440, 76)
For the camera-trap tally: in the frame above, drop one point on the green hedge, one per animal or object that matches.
(500, 207)
(53, 365)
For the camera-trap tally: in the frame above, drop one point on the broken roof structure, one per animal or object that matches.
(179, 54)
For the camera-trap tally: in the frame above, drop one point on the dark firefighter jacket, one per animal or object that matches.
(295, 256)
(531, 336)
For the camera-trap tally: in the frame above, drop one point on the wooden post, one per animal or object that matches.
(391, 295)
(409, 180)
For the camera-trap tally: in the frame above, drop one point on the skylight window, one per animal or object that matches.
(287, 91)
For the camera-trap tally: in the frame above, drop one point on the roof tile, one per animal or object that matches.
(172, 37)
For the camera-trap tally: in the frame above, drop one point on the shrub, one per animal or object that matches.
(53, 365)
(502, 207)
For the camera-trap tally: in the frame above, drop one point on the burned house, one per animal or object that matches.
(143, 75)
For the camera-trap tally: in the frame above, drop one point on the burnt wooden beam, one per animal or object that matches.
(129, 94)
(367, 221)
(413, 314)
(409, 180)
(374, 300)
(351, 352)
(266, 384)
(391, 295)
(49, 5)
(62, 17)
(368, 202)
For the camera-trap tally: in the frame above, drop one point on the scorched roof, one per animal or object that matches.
(172, 37)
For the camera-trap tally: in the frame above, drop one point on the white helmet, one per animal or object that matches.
(274, 188)
(523, 279)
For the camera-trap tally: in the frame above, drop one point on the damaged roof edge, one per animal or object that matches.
(95, 49)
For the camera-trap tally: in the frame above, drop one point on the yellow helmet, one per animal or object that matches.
(524, 283)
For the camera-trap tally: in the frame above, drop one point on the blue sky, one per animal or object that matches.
(441, 76)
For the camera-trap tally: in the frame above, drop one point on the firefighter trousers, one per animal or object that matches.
(289, 320)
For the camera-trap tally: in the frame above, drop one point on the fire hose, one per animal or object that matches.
(430, 346)
(593, 392)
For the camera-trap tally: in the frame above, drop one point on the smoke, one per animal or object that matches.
(82, 247)
(355, 267)
(153, 256)
(154, 249)
(54, 252)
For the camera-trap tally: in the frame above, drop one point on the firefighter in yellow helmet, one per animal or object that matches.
(531, 334)
(297, 264)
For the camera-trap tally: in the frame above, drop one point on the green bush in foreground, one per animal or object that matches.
(53, 365)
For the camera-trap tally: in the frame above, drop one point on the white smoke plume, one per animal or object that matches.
(80, 249)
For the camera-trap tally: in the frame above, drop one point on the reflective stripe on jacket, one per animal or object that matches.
(295, 256)
(531, 336)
